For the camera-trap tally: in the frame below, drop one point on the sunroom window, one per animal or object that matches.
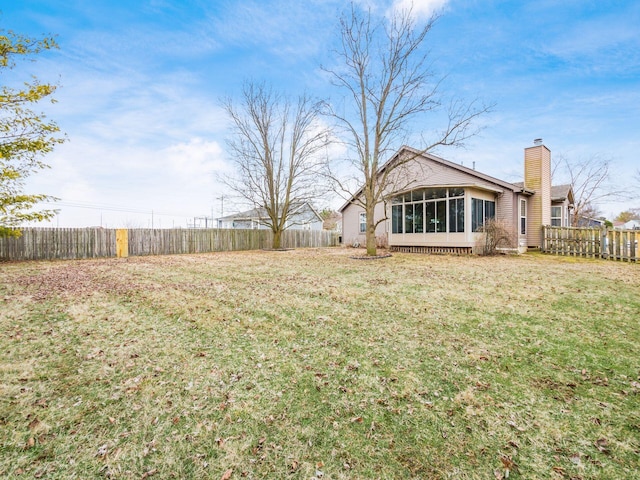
(429, 210)
(481, 211)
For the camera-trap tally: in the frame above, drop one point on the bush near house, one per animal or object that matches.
(306, 364)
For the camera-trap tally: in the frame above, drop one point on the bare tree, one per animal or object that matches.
(276, 147)
(384, 71)
(591, 183)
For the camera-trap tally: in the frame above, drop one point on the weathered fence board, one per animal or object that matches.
(76, 243)
(619, 245)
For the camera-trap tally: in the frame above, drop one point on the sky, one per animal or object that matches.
(141, 84)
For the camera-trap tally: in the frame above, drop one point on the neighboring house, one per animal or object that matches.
(630, 225)
(301, 217)
(588, 222)
(562, 202)
(444, 205)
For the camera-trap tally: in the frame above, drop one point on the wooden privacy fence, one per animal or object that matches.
(75, 243)
(592, 242)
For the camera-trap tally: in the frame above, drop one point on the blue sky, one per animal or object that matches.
(141, 84)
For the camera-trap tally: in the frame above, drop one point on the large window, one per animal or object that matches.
(556, 216)
(523, 217)
(481, 211)
(428, 210)
(436, 216)
(363, 222)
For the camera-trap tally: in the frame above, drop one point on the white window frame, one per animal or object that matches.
(363, 222)
(522, 228)
(558, 218)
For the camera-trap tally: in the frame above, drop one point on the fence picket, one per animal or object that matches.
(619, 245)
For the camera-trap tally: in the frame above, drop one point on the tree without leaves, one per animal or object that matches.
(276, 148)
(388, 84)
(590, 181)
(25, 136)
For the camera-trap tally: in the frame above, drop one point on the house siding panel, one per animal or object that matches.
(351, 225)
(427, 172)
(537, 177)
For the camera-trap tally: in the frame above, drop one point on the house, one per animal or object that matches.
(589, 222)
(301, 217)
(630, 225)
(442, 206)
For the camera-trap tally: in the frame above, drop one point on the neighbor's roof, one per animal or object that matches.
(261, 212)
(561, 192)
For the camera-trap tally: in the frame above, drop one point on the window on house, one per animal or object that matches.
(408, 218)
(418, 217)
(436, 216)
(363, 222)
(523, 217)
(456, 215)
(556, 216)
(396, 219)
(414, 218)
(428, 210)
(481, 211)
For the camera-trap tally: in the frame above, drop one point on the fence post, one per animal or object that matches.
(122, 243)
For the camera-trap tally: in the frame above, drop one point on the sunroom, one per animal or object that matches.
(442, 216)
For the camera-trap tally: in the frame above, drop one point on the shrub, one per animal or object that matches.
(496, 235)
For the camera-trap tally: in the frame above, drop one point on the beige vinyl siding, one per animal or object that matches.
(505, 209)
(537, 177)
(427, 172)
(351, 224)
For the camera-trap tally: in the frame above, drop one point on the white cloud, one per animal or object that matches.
(420, 8)
(196, 161)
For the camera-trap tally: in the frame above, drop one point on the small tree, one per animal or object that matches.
(628, 215)
(276, 148)
(330, 218)
(25, 136)
(388, 83)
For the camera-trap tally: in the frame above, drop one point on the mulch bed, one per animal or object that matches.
(370, 257)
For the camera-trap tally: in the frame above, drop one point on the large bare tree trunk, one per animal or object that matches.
(372, 249)
(277, 239)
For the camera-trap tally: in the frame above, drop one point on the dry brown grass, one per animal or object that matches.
(306, 363)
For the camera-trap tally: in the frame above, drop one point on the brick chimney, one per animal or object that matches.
(537, 178)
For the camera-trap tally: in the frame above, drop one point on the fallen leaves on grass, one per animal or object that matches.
(149, 473)
(602, 444)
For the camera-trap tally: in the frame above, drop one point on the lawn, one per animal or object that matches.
(307, 363)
